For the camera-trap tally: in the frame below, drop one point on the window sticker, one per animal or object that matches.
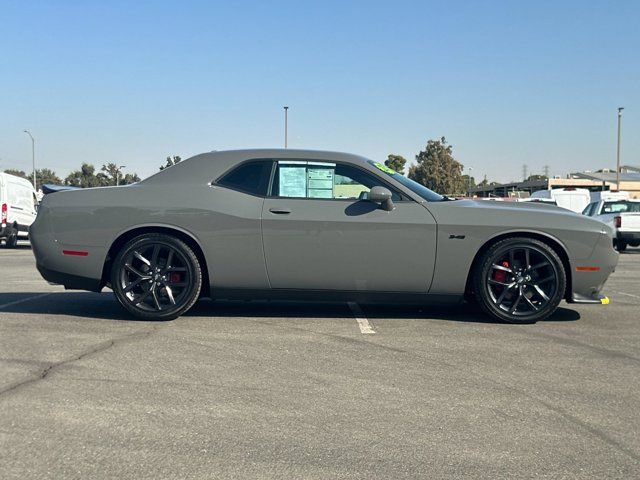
(293, 180)
(384, 168)
(321, 179)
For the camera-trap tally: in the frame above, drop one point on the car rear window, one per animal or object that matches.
(250, 177)
(621, 207)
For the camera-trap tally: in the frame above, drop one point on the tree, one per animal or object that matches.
(45, 175)
(396, 162)
(129, 178)
(437, 169)
(113, 175)
(17, 173)
(468, 182)
(112, 172)
(171, 161)
(86, 177)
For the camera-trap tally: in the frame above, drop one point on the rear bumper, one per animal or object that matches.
(73, 272)
(628, 236)
(6, 231)
(70, 282)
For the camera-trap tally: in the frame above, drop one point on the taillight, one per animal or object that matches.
(617, 222)
(3, 218)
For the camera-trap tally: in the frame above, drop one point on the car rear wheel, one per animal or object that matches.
(520, 280)
(156, 277)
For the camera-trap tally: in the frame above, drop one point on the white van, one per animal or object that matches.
(609, 195)
(574, 199)
(17, 208)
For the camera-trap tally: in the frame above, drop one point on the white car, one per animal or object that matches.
(17, 208)
(623, 216)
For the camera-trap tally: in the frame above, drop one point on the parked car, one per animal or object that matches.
(623, 216)
(17, 208)
(315, 225)
(574, 199)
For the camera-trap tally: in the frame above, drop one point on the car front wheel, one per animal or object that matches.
(520, 280)
(156, 277)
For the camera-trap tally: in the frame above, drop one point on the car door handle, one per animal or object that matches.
(280, 211)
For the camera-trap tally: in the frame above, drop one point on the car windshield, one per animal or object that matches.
(415, 187)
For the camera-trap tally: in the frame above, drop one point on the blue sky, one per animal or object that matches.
(508, 83)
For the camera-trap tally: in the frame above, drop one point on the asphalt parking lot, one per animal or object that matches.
(289, 390)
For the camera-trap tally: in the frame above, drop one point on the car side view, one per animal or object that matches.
(300, 224)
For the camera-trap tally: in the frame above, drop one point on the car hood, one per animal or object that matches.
(520, 206)
(511, 214)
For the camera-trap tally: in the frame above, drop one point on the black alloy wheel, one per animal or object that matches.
(520, 280)
(156, 277)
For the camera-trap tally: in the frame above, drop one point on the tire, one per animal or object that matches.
(12, 240)
(519, 280)
(619, 245)
(156, 277)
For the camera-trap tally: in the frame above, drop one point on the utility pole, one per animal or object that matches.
(118, 170)
(33, 158)
(618, 153)
(286, 126)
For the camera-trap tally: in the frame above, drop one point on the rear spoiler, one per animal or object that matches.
(49, 188)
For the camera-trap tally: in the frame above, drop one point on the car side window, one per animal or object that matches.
(301, 179)
(588, 210)
(250, 177)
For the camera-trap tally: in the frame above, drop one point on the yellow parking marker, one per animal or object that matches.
(604, 301)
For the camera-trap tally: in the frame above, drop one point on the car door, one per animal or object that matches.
(23, 204)
(319, 232)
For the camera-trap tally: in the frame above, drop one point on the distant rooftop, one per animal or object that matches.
(609, 176)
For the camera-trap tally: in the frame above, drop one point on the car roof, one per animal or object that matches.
(213, 164)
(23, 182)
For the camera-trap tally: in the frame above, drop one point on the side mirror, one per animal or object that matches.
(382, 196)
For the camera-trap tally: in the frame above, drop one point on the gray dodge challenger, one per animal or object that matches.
(315, 225)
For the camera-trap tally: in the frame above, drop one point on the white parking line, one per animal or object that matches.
(628, 294)
(363, 323)
(23, 300)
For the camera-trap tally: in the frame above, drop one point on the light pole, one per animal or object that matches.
(469, 180)
(286, 126)
(118, 170)
(618, 152)
(33, 158)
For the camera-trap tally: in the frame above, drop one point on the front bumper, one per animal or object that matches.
(589, 275)
(599, 299)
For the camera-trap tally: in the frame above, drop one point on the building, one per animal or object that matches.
(593, 181)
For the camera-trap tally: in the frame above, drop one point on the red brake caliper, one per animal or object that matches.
(175, 277)
(501, 275)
